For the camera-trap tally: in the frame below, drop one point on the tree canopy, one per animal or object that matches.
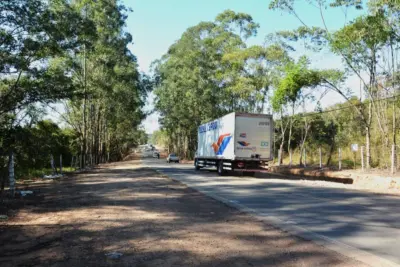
(74, 54)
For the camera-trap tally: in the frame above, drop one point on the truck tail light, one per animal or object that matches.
(240, 164)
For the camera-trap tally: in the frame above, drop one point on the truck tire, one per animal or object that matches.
(220, 168)
(196, 165)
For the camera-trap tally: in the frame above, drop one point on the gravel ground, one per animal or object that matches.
(150, 219)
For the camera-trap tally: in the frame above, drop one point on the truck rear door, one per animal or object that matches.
(253, 137)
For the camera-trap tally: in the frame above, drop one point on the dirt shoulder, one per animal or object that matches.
(151, 220)
(376, 181)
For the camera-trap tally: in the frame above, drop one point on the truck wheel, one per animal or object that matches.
(220, 168)
(196, 165)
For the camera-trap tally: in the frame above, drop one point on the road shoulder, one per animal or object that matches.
(292, 228)
(151, 220)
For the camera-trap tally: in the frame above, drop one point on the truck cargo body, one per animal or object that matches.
(237, 142)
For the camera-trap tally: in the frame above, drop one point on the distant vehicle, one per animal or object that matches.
(172, 158)
(156, 154)
(236, 142)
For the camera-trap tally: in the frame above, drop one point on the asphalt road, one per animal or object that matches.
(362, 225)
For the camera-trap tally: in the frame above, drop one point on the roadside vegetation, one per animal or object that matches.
(69, 59)
(211, 71)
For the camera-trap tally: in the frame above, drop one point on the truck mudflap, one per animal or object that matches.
(251, 170)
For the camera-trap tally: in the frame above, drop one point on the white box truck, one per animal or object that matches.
(236, 142)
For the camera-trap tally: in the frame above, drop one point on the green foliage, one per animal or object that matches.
(229, 21)
(108, 110)
(298, 76)
(74, 51)
(31, 32)
(336, 127)
(316, 37)
(33, 146)
(367, 45)
(360, 41)
(347, 3)
(281, 4)
(288, 5)
(159, 138)
(209, 72)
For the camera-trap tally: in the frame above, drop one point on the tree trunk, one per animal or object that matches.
(306, 128)
(394, 122)
(280, 153)
(290, 129)
(11, 174)
(83, 147)
(283, 131)
(330, 153)
(367, 146)
(394, 158)
(97, 138)
(3, 183)
(368, 137)
(332, 147)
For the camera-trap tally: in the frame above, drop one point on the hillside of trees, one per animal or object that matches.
(73, 54)
(211, 71)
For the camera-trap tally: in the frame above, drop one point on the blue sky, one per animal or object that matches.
(156, 24)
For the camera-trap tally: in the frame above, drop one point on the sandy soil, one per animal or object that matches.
(151, 220)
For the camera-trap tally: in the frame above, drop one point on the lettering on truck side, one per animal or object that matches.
(263, 123)
(208, 127)
(202, 129)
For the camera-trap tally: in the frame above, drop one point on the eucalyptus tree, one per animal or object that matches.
(250, 74)
(363, 44)
(290, 89)
(32, 33)
(192, 84)
(108, 110)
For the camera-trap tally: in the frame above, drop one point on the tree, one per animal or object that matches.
(212, 72)
(159, 138)
(290, 90)
(112, 91)
(75, 53)
(360, 43)
(31, 34)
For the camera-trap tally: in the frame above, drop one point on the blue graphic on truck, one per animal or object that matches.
(221, 144)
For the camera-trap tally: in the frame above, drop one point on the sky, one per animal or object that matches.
(157, 24)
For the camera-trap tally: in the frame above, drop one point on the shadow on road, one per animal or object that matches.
(153, 221)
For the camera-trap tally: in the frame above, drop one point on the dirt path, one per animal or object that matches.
(151, 220)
